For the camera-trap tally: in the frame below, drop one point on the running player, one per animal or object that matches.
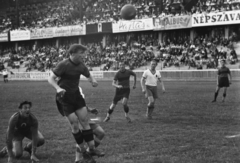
(224, 79)
(122, 83)
(97, 131)
(22, 124)
(149, 81)
(68, 94)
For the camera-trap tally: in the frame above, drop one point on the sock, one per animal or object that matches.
(78, 137)
(96, 143)
(126, 108)
(215, 95)
(88, 135)
(110, 111)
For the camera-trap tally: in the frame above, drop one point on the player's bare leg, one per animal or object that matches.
(216, 94)
(99, 134)
(41, 141)
(150, 107)
(77, 134)
(126, 109)
(224, 94)
(110, 111)
(17, 149)
(3, 152)
(87, 132)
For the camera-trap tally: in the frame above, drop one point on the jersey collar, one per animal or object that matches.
(73, 62)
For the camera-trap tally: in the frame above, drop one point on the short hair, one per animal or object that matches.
(223, 60)
(122, 62)
(25, 103)
(155, 60)
(76, 47)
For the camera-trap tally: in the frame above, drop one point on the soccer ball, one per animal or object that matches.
(128, 12)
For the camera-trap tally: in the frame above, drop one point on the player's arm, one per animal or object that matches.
(92, 80)
(161, 81)
(115, 84)
(230, 77)
(52, 81)
(10, 134)
(34, 130)
(92, 110)
(218, 77)
(142, 82)
(89, 76)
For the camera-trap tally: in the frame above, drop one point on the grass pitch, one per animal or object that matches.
(186, 126)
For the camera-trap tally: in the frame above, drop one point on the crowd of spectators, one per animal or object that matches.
(203, 51)
(72, 12)
(45, 58)
(207, 6)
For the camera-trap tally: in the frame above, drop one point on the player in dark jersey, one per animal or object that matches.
(122, 83)
(97, 131)
(68, 94)
(223, 80)
(22, 124)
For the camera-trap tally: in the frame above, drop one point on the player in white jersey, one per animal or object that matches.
(149, 81)
(5, 75)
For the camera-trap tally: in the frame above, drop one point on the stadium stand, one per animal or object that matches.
(176, 50)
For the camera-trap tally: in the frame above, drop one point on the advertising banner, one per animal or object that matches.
(20, 76)
(42, 33)
(133, 25)
(169, 22)
(69, 31)
(39, 75)
(4, 37)
(20, 35)
(77, 30)
(95, 74)
(218, 18)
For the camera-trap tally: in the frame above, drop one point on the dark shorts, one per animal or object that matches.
(120, 94)
(5, 76)
(223, 82)
(70, 102)
(20, 135)
(151, 91)
(92, 124)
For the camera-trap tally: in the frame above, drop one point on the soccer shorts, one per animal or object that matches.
(120, 94)
(92, 124)
(19, 135)
(223, 82)
(70, 102)
(151, 91)
(5, 76)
